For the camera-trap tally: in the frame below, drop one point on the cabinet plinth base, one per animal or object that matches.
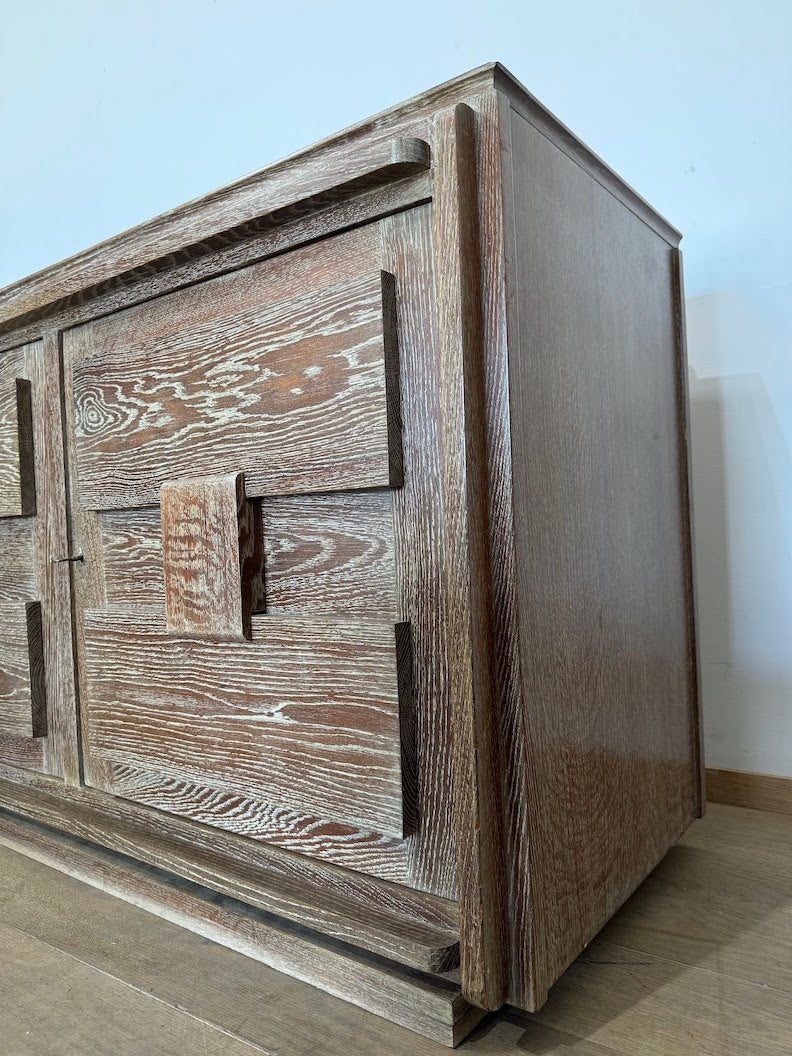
(432, 1006)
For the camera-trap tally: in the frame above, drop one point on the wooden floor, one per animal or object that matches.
(698, 962)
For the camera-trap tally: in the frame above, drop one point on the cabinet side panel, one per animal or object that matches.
(601, 541)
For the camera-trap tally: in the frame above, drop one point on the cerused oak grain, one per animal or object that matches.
(361, 594)
(212, 557)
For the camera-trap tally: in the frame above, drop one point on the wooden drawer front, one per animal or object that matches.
(306, 713)
(285, 373)
(325, 555)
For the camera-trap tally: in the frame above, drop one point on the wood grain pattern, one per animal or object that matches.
(492, 452)
(414, 928)
(52, 573)
(31, 579)
(17, 568)
(757, 791)
(27, 753)
(17, 472)
(23, 693)
(23, 697)
(277, 823)
(476, 787)
(130, 544)
(330, 554)
(306, 715)
(178, 967)
(123, 566)
(493, 156)
(185, 268)
(430, 1006)
(601, 570)
(701, 964)
(418, 517)
(238, 210)
(228, 378)
(212, 555)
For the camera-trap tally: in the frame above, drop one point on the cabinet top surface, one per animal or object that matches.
(264, 191)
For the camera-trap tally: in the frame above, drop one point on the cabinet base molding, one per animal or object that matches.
(738, 788)
(428, 1005)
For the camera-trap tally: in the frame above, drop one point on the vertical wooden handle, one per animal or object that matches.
(17, 473)
(212, 549)
(477, 779)
(23, 694)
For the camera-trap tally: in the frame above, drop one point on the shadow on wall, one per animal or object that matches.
(741, 428)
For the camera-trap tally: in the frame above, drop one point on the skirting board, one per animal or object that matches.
(430, 1006)
(757, 791)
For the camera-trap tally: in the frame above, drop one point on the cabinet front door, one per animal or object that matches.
(37, 716)
(243, 494)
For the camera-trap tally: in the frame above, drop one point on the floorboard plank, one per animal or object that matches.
(55, 1005)
(715, 906)
(642, 1005)
(738, 828)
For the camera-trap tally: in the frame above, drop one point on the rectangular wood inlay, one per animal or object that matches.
(297, 391)
(305, 715)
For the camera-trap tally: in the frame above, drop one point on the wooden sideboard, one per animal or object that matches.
(347, 611)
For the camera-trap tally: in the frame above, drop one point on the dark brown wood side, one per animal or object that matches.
(602, 544)
(17, 469)
(23, 694)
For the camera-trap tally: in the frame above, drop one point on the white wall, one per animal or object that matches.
(741, 399)
(112, 112)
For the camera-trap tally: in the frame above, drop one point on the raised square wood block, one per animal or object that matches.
(212, 551)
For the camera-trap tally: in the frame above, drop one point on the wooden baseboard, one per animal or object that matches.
(428, 1005)
(757, 791)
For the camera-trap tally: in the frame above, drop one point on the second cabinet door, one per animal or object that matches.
(240, 495)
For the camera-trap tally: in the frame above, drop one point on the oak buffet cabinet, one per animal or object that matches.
(347, 611)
